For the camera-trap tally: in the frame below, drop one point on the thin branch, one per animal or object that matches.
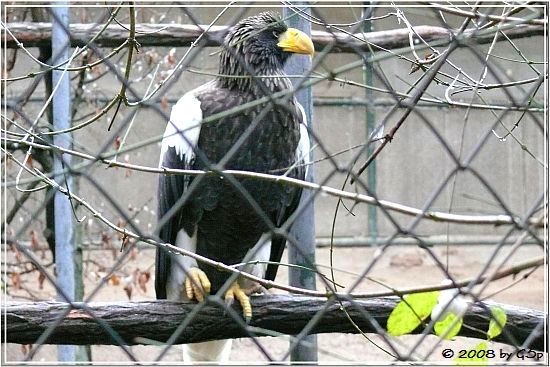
(356, 197)
(132, 44)
(491, 17)
(48, 68)
(19, 203)
(409, 103)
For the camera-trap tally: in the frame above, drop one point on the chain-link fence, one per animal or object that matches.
(428, 171)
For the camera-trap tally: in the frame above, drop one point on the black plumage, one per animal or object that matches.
(264, 139)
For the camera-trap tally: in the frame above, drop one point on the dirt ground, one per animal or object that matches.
(399, 267)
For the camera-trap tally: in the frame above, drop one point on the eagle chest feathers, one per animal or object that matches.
(226, 222)
(273, 133)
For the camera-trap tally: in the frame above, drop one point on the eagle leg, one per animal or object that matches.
(197, 284)
(235, 291)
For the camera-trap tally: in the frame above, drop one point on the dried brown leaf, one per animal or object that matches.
(133, 253)
(35, 244)
(164, 104)
(117, 142)
(114, 279)
(15, 280)
(41, 278)
(106, 240)
(128, 289)
(143, 279)
(171, 57)
(29, 162)
(26, 348)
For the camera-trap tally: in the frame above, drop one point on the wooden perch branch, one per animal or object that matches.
(176, 35)
(288, 314)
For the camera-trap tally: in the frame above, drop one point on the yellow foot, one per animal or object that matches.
(235, 291)
(197, 284)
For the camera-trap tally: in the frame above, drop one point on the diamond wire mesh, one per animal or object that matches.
(124, 86)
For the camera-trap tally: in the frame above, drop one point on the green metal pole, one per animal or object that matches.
(372, 213)
(83, 352)
(303, 228)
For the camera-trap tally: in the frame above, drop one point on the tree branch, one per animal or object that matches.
(174, 35)
(136, 322)
(491, 17)
(500, 219)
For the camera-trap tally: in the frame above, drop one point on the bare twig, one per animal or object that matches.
(356, 197)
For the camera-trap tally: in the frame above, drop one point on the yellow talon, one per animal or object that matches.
(196, 284)
(235, 291)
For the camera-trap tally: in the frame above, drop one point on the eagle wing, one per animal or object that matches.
(302, 166)
(177, 152)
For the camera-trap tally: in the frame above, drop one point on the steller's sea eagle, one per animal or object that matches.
(216, 220)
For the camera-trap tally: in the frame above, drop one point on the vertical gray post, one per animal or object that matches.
(372, 213)
(304, 226)
(61, 103)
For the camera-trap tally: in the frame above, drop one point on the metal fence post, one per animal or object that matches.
(61, 103)
(372, 210)
(304, 226)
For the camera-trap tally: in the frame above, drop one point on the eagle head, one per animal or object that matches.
(260, 45)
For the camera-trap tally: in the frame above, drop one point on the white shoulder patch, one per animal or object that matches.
(183, 129)
(303, 149)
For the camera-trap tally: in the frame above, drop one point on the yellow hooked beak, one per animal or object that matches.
(296, 41)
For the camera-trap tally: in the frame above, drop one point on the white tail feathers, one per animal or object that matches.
(212, 351)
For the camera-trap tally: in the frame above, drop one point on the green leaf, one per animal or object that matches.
(410, 312)
(476, 358)
(448, 326)
(498, 320)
